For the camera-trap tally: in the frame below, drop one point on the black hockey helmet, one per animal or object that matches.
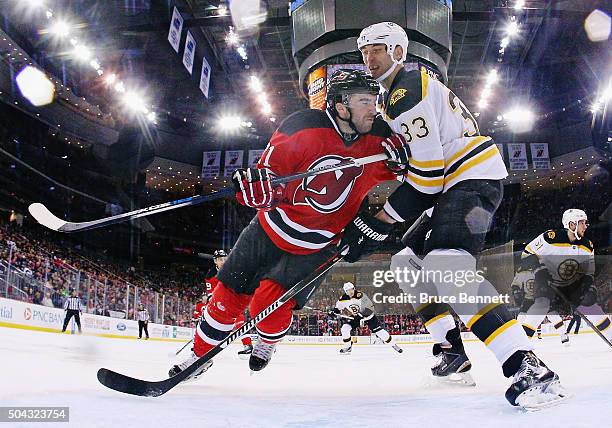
(219, 253)
(346, 81)
(343, 83)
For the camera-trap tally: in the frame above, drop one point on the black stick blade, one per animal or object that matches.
(130, 385)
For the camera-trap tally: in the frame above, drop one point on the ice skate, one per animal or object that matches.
(565, 339)
(534, 386)
(397, 348)
(246, 352)
(261, 355)
(452, 366)
(177, 368)
(347, 349)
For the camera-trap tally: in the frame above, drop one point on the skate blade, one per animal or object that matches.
(543, 396)
(460, 379)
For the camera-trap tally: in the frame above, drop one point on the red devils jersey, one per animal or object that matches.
(197, 313)
(210, 284)
(315, 210)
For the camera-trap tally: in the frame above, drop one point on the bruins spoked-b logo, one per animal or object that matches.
(327, 192)
(568, 269)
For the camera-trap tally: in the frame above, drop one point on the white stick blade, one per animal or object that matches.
(45, 217)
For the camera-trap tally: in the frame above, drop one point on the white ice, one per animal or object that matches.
(304, 386)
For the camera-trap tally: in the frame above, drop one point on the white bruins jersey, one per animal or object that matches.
(565, 261)
(525, 281)
(358, 304)
(444, 140)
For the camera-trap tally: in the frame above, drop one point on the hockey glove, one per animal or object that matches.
(334, 313)
(518, 295)
(396, 149)
(254, 188)
(363, 235)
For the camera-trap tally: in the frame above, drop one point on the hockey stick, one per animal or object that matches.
(583, 316)
(184, 346)
(130, 385)
(46, 218)
(326, 313)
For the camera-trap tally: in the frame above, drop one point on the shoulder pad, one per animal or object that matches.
(358, 295)
(344, 297)
(304, 119)
(405, 94)
(556, 236)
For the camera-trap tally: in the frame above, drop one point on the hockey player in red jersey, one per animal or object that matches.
(199, 308)
(298, 226)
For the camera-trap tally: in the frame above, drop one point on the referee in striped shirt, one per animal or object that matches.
(73, 308)
(143, 321)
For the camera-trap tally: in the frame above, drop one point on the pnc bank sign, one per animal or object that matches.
(46, 317)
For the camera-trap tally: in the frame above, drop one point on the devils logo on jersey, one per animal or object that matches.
(327, 192)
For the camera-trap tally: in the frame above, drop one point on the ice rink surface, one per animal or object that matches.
(304, 386)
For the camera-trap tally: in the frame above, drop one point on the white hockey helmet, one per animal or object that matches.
(385, 33)
(348, 286)
(573, 215)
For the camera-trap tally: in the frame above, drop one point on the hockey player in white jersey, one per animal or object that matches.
(523, 292)
(564, 259)
(356, 309)
(448, 165)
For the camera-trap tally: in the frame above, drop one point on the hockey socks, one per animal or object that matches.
(219, 318)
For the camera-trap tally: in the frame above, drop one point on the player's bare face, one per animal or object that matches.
(581, 228)
(351, 292)
(219, 262)
(376, 59)
(363, 111)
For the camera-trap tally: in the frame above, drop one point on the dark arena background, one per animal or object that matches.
(110, 107)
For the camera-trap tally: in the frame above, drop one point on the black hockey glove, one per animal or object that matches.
(518, 295)
(363, 235)
(589, 292)
(396, 149)
(334, 313)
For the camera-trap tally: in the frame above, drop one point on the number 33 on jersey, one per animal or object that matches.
(445, 144)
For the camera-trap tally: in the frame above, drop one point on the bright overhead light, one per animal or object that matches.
(222, 10)
(60, 29)
(598, 26)
(520, 119)
(606, 95)
(151, 116)
(134, 102)
(519, 4)
(262, 98)
(595, 107)
(49, 14)
(110, 78)
(504, 42)
(486, 93)
(230, 122)
(482, 104)
(95, 64)
(35, 86)
(232, 38)
(242, 52)
(34, 3)
(512, 29)
(492, 77)
(82, 52)
(266, 108)
(120, 87)
(256, 84)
